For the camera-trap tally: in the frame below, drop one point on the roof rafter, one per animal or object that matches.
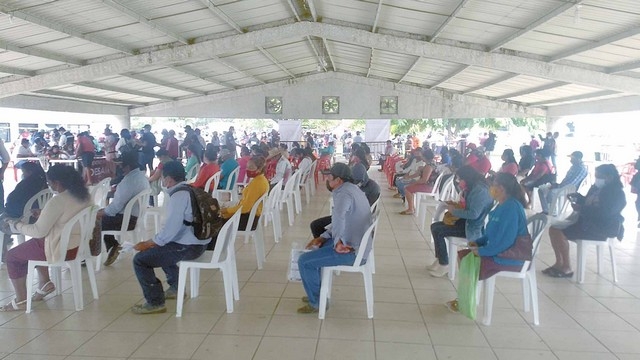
(373, 30)
(624, 67)
(16, 71)
(141, 19)
(490, 83)
(574, 98)
(451, 75)
(40, 53)
(151, 80)
(453, 15)
(199, 76)
(596, 44)
(124, 91)
(73, 96)
(533, 90)
(65, 30)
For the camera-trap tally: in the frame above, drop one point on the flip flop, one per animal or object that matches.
(559, 274)
(41, 293)
(549, 270)
(406, 212)
(14, 306)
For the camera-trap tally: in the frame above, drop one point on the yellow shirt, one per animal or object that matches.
(251, 193)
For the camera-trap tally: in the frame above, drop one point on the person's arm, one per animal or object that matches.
(475, 204)
(4, 154)
(426, 173)
(341, 204)
(49, 216)
(609, 205)
(176, 208)
(120, 199)
(501, 231)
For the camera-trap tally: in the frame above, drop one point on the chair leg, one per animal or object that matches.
(290, 210)
(234, 278)
(56, 278)
(582, 262)
(422, 218)
(195, 282)
(277, 225)
(182, 283)
(368, 291)
(92, 277)
(489, 290)
(453, 259)
(613, 260)
(325, 285)
(228, 288)
(76, 284)
(258, 241)
(30, 273)
(372, 261)
(599, 256)
(533, 286)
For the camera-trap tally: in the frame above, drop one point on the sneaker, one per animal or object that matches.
(434, 266)
(172, 293)
(148, 309)
(441, 271)
(113, 255)
(307, 309)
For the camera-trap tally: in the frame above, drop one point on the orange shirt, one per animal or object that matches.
(206, 171)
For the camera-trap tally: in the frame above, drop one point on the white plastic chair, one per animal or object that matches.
(212, 183)
(536, 225)
(271, 211)
(258, 233)
(306, 184)
(560, 202)
(365, 269)
(138, 233)
(448, 193)
(193, 173)
(600, 245)
(231, 187)
(85, 220)
(100, 191)
(157, 212)
(312, 177)
(41, 199)
(425, 196)
(288, 196)
(222, 257)
(375, 214)
(297, 195)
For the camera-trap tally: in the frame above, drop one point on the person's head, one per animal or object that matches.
(428, 155)
(172, 133)
(173, 173)
(360, 154)
(255, 166)
(107, 131)
(62, 129)
(297, 153)
(188, 129)
(24, 142)
(359, 173)
(283, 147)
(32, 168)
(542, 155)
(125, 134)
(308, 153)
(210, 156)
(366, 148)
(147, 128)
(506, 186)
(55, 149)
(576, 157)
(164, 132)
(480, 151)
(232, 129)
(556, 135)
(606, 175)
(508, 156)
(163, 155)
(389, 142)
(129, 161)
(197, 130)
(224, 155)
(245, 151)
(339, 174)
(355, 147)
(549, 135)
(526, 150)
(468, 177)
(357, 132)
(65, 178)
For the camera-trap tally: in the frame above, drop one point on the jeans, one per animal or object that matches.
(318, 226)
(402, 184)
(439, 231)
(547, 196)
(167, 258)
(115, 223)
(311, 264)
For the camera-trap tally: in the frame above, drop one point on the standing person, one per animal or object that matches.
(71, 197)
(215, 140)
(554, 152)
(4, 159)
(599, 217)
(86, 151)
(174, 243)
(470, 211)
(110, 142)
(358, 138)
(534, 143)
(388, 151)
(147, 152)
(549, 144)
(230, 141)
(576, 174)
(338, 246)
(200, 138)
(172, 147)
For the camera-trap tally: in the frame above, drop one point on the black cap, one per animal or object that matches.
(577, 154)
(340, 170)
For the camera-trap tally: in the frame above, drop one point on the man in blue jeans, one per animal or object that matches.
(174, 243)
(338, 246)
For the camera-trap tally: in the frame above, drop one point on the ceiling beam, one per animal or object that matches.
(555, 12)
(72, 96)
(236, 69)
(154, 81)
(199, 76)
(326, 47)
(596, 44)
(633, 65)
(532, 90)
(312, 9)
(27, 50)
(117, 89)
(575, 98)
(375, 20)
(451, 75)
(141, 19)
(16, 71)
(402, 45)
(413, 66)
(388, 86)
(453, 15)
(65, 29)
(490, 83)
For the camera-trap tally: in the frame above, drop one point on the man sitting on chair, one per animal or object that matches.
(111, 217)
(575, 176)
(339, 245)
(174, 243)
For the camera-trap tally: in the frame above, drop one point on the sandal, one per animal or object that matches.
(549, 270)
(43, 291)
(555, 273)
(14, 306)
(406, 212)
(452, 306)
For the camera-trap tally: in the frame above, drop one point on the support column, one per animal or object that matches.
(124, 121)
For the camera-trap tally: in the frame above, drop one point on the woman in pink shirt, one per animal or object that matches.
(510, 165)
(245, 156)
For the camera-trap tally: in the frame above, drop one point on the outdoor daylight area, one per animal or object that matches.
(320, 179)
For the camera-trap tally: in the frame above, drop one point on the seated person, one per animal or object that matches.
(423, 184)
(193, 151)
(22, 151)
(599, 217)
(245, 156)
(283, 168)
(254, 190)
(542, 173)
(227, 165)
(207, 169)
(71, 197)
(111, 217)
(576, 174)
(479, 161)
(506, 222)
(510, 165)
(409, 172)
(33, 181)
(527, 160)
(174, 243)
(163, 157)
(350, 219)
(55, 153)
(474, 206)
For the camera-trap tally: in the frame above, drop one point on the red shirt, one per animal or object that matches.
(206, 171)
(85, 145)
(242, 172)
(172, 148)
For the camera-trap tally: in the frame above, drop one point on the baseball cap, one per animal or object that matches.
(577, 154)
(340, 170)
(188, 127)
(359, 173)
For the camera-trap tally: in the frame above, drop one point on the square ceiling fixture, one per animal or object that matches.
(388, 105)
(331, 104)
(273, 105)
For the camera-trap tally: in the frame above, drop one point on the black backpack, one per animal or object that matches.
(207, 221)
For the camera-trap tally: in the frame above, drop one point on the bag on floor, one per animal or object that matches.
(467, 285)
(294, 273)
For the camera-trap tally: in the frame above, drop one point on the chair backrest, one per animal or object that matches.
(364, 244)
(212, 183)
(289, 186)
(536, 225)
(375, 207)
(305, 175)
(436, 185)
(86, 220)
(314, 166)
(225, 242)
(141, 200)
(40, 199)
(193, 172)
(449, 192)
(100, 191)
(274, 196)
(233, 177)
(258, 205)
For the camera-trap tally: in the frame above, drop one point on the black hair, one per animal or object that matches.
(428, 154)
(162, 152)
(130, 158)
(511, 186)
(211, 154)
(70, 179)
(246, 151)
(175, 170)
(511, 158)
(309, 153)
(259, 162)
(543, 152)
(124, 133)
(34, 168)
(610, 171)
(470, 176)
(366, 148)
(359, 153)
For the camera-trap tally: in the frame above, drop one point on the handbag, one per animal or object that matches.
(521, 249)
(467, 285)
(449, 219)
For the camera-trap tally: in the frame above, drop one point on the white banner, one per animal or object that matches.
(290, 130)
(377, 130)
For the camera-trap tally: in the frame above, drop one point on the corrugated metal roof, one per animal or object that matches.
(40, 36)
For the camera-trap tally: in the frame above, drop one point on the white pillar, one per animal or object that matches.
(124, 121)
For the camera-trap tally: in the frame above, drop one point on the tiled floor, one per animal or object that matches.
(597, 320)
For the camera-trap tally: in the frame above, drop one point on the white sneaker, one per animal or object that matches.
(441, 271)
(434, 265)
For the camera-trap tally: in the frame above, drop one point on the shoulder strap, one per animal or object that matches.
(192, 195)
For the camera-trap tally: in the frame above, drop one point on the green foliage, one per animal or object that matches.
(320, 125)
(408, 126)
